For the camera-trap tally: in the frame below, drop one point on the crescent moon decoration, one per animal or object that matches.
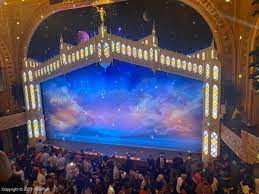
(145, 16)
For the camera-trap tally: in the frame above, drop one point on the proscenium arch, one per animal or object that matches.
(6, 62)
(105, 47)
(251, 97)
(222, 33)
(218, 24)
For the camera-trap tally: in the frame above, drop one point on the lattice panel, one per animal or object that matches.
(205, 138)
(214, 144)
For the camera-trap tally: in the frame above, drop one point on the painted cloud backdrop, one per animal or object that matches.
(124, 102)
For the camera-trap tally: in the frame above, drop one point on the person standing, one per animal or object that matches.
(160, 163)
(150, 163)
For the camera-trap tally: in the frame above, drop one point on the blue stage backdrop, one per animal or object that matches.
(125, 104)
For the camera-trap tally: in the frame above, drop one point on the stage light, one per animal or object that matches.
(240, 76)
(17, 23)
(5, 3)
(240, 37)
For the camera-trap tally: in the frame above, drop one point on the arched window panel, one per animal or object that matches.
(156, 56)
(214, 145)
(203, 56)
(195, 68)
(30, 76)
(207, 99)
(189, 66)
(151, 54)
(48, 69)
(69, 59)
(145, 55)
(123, 49)
(54, 66)
(26, 98)
(162, 59)
(134, 52)
(215, 97)
(73, 57)
(33, 100)
(38, 96)
(64, 58)
(215, 73)
(42, 128)
(51, 67)
(36, 128)
(113, 46)
(198, 56)
(118, 47)
(184, 65)
(82, 53)
(207, 71)
(29, 128)
(106, 50)
(91, 49)
(205, 146)
(200, 69)
(179, 65)
(24, 77)
(99, 50)
(173, 63)
(128, 50)
(140, 53)
(168, 61)
(86, 52)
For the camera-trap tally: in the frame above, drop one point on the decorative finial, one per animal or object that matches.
(154, 28)
(61, 42)
(61, 38)
(213, 44)
(102, 13)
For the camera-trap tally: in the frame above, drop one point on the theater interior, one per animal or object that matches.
(129, 96)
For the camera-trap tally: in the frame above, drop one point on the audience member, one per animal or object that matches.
(78, 173)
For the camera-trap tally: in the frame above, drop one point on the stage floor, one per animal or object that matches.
(118, 150)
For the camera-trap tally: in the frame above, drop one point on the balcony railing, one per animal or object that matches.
(245, 145)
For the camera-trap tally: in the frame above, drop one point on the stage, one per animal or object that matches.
(119, 151)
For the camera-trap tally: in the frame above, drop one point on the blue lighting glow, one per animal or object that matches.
(125, 104)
